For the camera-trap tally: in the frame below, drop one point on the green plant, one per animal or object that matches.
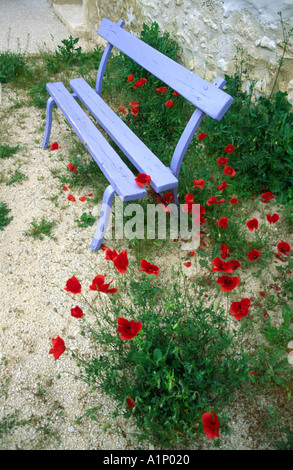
(278, 428)
(68, 52)
(182, 363)
(41, 229)
(6, 151)
(86, 220)
(16, 177)
(3, 213)
(263, 147)
(39, 95)
(12, 66)
(286, 37)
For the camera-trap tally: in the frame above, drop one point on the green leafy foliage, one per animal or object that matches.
(86, 220)
(11, 66)
(7, 151)
(182, 363)
(262, 134)
(3, 213)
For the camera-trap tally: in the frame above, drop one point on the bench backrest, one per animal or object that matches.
(195, 89)
(207, 97)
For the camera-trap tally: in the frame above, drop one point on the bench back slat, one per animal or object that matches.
(198, 91)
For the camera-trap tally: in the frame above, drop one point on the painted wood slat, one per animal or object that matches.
(137, 152)
(198, 91)
(115, 170)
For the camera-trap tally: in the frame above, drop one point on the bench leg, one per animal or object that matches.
(176, 201)
(50, 104)
(104, 218)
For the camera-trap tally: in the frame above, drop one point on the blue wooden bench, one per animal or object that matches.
(208, 98)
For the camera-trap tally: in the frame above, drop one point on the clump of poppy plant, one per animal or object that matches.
(160, 348)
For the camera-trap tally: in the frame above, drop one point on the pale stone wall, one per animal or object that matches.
(210, 32)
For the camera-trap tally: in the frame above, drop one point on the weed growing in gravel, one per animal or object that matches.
(39, 230)
(16, 177)
(86, 220)
(7, 151)
(3, 213)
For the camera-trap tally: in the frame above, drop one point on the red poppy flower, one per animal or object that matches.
(225, 251)
(130, 402)
(110, 254)
(234, 200)
(228, 283)
(64, 188)
(187, 264)
(222, 161)
(76, 312)
(223, 222)
(99, 284)
(229, 148)
(130, 78)
(222, 186)
(122, 110)
(234, 264)
(221, 266)
(201, 136)
(166, 209)
(72, 167)
(58, 347)
(139, 83)
(199, 220)
(70, 198)
(149, 268)
(163, 89)
(82, 198)
(128, 329)
(168, 197)
(134, 111)
(169, 103)
(284, 247)
(252, 224)
(198, 183)
(228, 170)
(143, 179)
(158, 198)
(213, 200)
(266, 197)
(252, 372)
(188, 197)
(134, 103)
(211, 425)
(175, 93)
(272, 219)
(240, 309)
(55, 146)
(121, 262)
(73, 285)
(253, 255)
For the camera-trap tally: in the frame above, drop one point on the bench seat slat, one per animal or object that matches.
(118, 174)
(137, 152)
(198, 91)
